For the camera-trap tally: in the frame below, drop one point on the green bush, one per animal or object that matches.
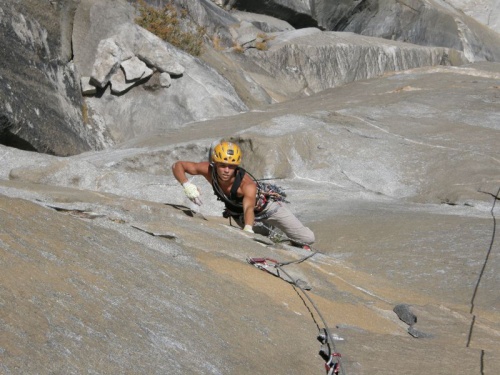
(167, 23)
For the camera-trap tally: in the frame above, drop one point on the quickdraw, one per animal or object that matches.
(332, 366)
(261, 263)
(264, 265)
(268, 192)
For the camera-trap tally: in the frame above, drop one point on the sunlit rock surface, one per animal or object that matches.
(429, 23)
(40, 97)
(106, 268)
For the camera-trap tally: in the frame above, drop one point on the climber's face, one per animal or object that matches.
(225, 171)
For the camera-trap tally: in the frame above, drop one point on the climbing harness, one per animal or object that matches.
(230, 153)
(327, 350)
(266, 192)
(259, 216)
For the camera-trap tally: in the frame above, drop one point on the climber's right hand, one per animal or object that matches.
(192, 192)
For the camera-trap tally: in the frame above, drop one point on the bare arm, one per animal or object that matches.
(180, 168)
(249, 198)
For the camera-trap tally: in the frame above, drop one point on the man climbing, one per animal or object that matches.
(244, 198)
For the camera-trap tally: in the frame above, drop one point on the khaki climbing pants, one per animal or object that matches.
(281, 217)
(276, 214)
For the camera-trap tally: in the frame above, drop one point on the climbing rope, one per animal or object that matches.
(493, 235)
(266, 192)
(327, 351)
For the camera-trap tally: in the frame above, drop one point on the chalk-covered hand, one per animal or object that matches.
(192, 192)
(248, 228)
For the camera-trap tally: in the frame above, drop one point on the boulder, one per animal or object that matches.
(153, 83)
(135, 69)
(131, 49)
(87, 87)
(110, 55)
(119, 83)
(165, 80)
(149, 48)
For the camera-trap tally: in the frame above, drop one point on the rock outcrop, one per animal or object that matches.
(133, 83)
(433, 23)
(41, 106)
(194, 92)
(276, 66)
(428, 23)
(485, 11)
(129, 58)
(309, 61)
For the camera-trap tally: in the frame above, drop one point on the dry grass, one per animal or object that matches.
(261, 46)
(217, 43)
(85, 113)
(238, 48)
(170, 24)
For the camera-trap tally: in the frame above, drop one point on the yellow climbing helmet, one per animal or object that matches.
(227, 153)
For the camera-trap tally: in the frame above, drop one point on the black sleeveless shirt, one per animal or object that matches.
(233, 203)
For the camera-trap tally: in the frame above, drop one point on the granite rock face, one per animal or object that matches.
(428, 23)
(257, 60)
(195, 92)
(485, 11)
(106, 267)
(433, 23)
(288, 63)
(46, 46)
(41, 106)
(389, 154)
(310, 61)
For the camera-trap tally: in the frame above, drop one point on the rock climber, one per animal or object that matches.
(244, 199)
